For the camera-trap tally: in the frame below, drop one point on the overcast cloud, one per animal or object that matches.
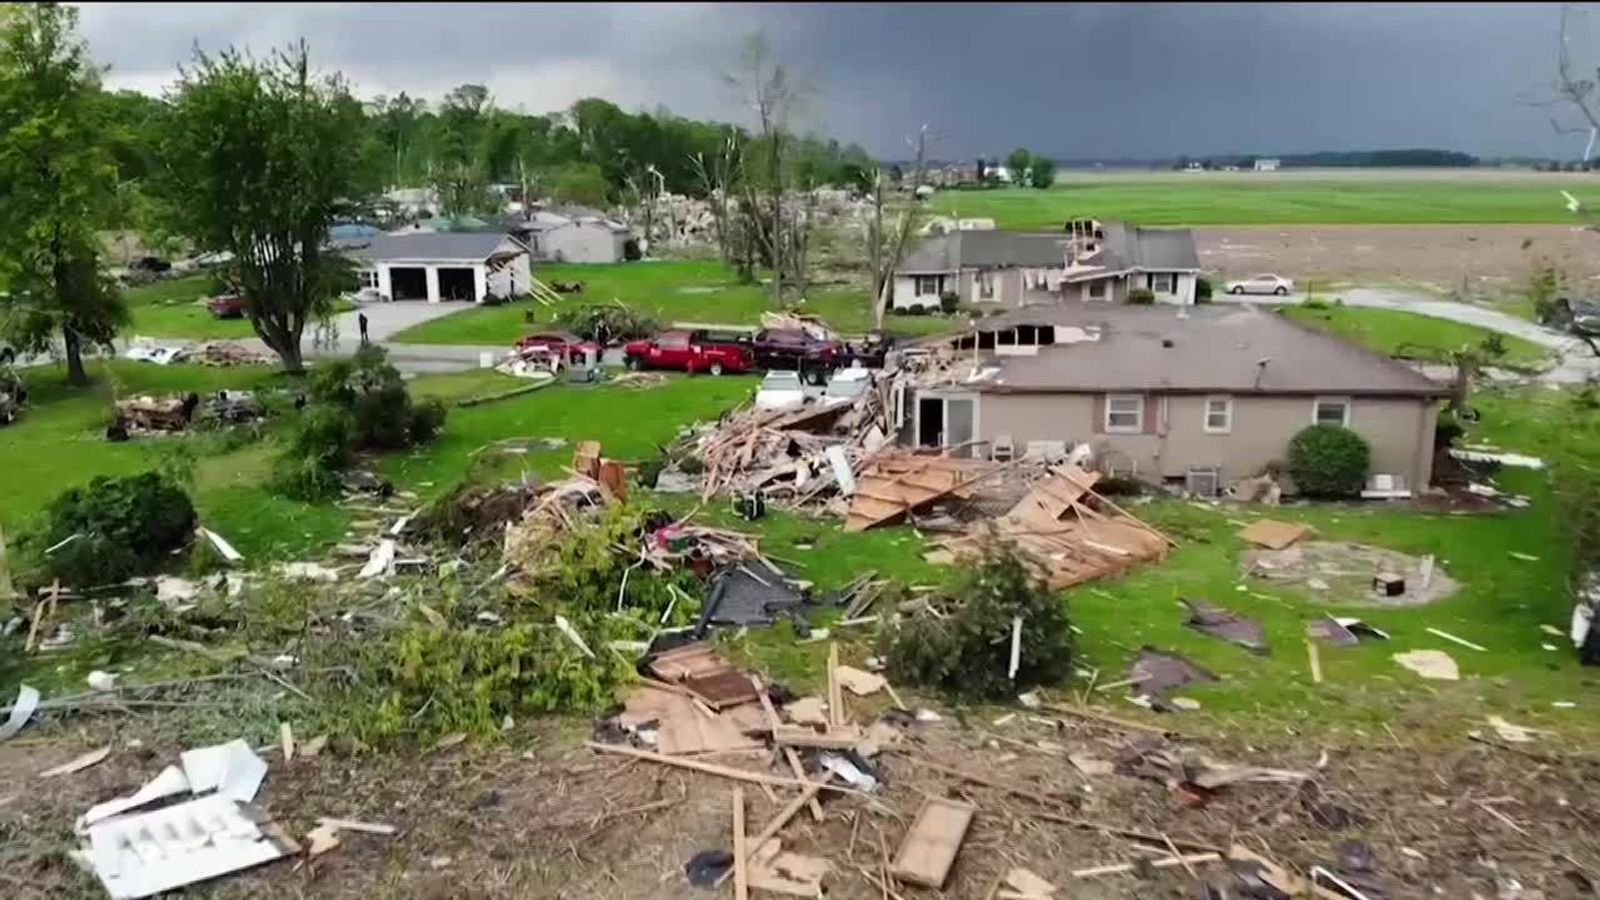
(1068, 80)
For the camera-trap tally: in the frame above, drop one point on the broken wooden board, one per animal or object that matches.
(837, 737)
(898, 483)
(929, 849)
(1273, 534)
(722, 688)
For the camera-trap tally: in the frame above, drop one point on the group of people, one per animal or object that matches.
(325, 336)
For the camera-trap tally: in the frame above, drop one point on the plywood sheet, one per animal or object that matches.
(929, 849)
(1273, 534)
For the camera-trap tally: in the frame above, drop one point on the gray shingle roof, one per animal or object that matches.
(1213, 349)
(473, 246)
(1125, 247)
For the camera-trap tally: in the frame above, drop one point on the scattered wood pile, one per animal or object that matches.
(147, 414)
(785, 453)
(1073, 534)
(900, 482)
(227, 353)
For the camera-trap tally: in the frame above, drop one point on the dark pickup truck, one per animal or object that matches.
(785, 348)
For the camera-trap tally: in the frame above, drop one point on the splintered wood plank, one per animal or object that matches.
(930, 847)
(741, 882)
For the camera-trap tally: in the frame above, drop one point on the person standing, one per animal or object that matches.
(361, 321)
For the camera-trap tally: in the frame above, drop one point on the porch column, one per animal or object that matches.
(385, 284)
(431, 275)
(480, 282)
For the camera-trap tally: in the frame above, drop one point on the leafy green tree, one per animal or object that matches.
(1018, 163)
(580, 183)
(261, 158)
(57, 188)
(1041, 172)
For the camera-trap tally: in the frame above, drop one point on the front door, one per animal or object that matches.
(930, 422)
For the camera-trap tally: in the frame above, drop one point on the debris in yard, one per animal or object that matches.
(82, 762)
(325, 836)
(21, 711)
(381, 561)
(931, 843)
(807, 711)
(146, 853)
(899, 482)
(1436, 665)
(1263, 489)
(226, 549)
(1512, 734)
(1515, 460)
(774, 869)
(1355, 876)
(1028, 886)
(740, 595)
(1388, 584)
(172, 592)
(149, 415)
(573, 636)
(1525, 557)
(1456, 640)
(1211, 619)
(102, 681)
(308, 571)
(227, 353)
(1060, 528)
(1091, 765)
(860, 683)
(1154, 672)
(1273, 534)
(708, 867)
(1346, 571)
(1343, 631)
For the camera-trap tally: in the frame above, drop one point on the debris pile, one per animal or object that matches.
(144, 414)
(1071, 533)
(227, 354)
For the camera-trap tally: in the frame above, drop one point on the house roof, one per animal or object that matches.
(1210, 349)
(473, 246)
(1124, 247)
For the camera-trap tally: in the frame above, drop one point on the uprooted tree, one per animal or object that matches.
(57, 189)
(259, 160)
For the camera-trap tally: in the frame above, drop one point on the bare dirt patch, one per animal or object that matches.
(1343, 573)
(1459, 819)
(1492, 258)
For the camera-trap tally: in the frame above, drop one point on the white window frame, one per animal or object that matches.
(369, 278)
(1227, 412)
(1138, 412)
(1316, 408)
(917, 282)
(1102, 284)
(1171, 286)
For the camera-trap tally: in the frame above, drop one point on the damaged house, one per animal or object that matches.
(1088, 261)
(438, 266)
(575, 235)
(1205, 394)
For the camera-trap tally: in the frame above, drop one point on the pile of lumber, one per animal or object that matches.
(1069, 532)
(146, 413)
(785, 453)
(555, 510)
(900, 482)
(227, 353)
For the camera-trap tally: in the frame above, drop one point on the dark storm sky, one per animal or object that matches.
(1072, 80)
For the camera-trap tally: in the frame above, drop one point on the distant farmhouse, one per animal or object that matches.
(1267, 164)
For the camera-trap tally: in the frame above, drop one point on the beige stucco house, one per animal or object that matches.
(1159, 393)
(1088, 261)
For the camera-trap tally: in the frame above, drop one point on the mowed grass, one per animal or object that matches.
(59, 443)
(174, 308)
(1412, 335)
(1176, 198)
(672, 291)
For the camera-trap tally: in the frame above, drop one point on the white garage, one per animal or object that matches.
(439, 267)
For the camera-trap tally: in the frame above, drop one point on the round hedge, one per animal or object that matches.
(1329, 461)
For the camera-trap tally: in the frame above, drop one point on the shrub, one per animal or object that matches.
(1315, 304)
(968, 651)
(918, 309)
(322, 446)
(604, 323)
(126, 526)
(1202, 289)
(1141, 296)
(1328, 461)
(949, 302)
(898, 310)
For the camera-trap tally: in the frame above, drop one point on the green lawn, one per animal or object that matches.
(173, 309)
(1412, 335)
(672, 291)
(1175, 198)
(60, 442)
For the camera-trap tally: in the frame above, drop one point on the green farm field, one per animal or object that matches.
(1307, 197)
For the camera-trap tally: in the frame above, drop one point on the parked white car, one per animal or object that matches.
(848, 384)
(781, 390)
(161, 356)
(1262, 284)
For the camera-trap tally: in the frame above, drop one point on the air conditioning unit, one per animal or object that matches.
(1204, 482)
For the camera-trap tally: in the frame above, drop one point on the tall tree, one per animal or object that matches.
(261, 158)
(770, 92)
(58, 187)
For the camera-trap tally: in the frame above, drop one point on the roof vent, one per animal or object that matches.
(1167, 343)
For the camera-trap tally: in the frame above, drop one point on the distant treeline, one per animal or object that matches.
(1399, 159)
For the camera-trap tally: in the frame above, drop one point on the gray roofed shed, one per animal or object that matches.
(454, 246)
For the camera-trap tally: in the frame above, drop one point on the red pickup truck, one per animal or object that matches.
(689, 351)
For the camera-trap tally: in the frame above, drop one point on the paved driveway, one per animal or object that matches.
(1577, 360)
